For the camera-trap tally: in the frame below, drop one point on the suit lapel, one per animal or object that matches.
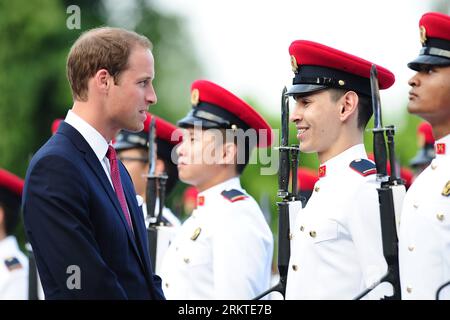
(99, 172)
(137, 217)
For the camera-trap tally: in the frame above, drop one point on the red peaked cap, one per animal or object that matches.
(11, 182)
(165, 132)
(426, 130)
(164, 129)
(55, 125)
(306, 178)
(216, 107)
(434, 30)
(318, 67)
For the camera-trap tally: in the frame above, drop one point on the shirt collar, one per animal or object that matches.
(442, 147)
(9, 244)
(336, 164)
(95, 140)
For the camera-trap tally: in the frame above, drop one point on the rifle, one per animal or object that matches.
(155, 188)
(288, 162)
(390, 193)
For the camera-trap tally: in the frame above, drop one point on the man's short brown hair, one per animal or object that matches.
(100, 48)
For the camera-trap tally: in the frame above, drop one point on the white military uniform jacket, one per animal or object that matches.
(13, 271)
(336, 246)
(223, 251)
(424, 240)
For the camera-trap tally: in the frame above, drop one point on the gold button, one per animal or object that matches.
(341, 82)
(312, 234)
(186, 260)
(302, 228)
(440, 216)
(411, 248)
(316, 188)
(167, 285)
(294, 267)
(409, 289)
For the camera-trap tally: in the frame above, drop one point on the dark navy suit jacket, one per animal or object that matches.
(73, 218)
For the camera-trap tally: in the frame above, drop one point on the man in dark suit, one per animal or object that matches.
(80, 210)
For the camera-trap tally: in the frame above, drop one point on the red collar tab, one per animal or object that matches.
(322, 171)
(440, 148)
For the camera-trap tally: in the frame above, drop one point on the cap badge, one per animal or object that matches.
(423, 35)
(294, 64)
(195, 96)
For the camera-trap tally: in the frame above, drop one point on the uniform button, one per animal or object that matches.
(294, 267)
(440, 216)
(167, 285)
(409, 289)
(312, 234)
(186, 260)
(433, 165)
(302, 228)
(290, 236)
(411, 248)
(316, 188)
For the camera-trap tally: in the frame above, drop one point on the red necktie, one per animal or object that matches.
(115, 177)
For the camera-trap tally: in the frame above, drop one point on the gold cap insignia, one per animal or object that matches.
(294, 64)
(195, 96)
(423, 34)
(446, 190)
(196, 234)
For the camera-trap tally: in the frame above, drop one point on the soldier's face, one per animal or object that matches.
(131, 94)
(136, 162)
(429, 96)
(199, 157)
(316, 118)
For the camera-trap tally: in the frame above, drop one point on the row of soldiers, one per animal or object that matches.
(224, 249)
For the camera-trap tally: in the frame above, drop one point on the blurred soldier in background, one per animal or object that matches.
(132, 150)
(426, 152)
(224, 250)
(424, 240)
(13, 263)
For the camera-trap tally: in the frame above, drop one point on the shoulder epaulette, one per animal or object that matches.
(13, 264)
(364, 167)
(233, 195)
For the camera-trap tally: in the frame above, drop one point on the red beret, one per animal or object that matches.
(11, 182)
(426, 130)
(306, 179)
(435, 38)
(318, 67)
(164, 132)
(55, 125)
(216, 107)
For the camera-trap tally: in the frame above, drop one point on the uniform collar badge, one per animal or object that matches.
(322, 171)
(440, 148)
(200, 200)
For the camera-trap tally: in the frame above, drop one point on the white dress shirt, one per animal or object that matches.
(223, 251)
(336, 246)
(424, 240)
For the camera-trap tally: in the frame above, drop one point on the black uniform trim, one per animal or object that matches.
(364, 167)
(233, 195)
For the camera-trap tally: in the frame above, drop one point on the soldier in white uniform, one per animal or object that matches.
(336, 246)
(13, 263)
(424, 240)
(132, 150)
(224, 250)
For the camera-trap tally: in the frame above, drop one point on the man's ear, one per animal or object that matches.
(103, 80)
(229, 155)
(348, 105)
